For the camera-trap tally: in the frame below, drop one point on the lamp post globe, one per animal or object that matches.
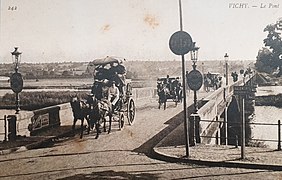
(194, 55)
(16, 56)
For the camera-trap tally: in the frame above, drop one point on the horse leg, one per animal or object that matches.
(110, 124)
(104, 119)
(88, 125)
(97, 129)
(74, 122)
(81, 128)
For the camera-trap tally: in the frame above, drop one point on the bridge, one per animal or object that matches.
(214, 118)
(216, 121)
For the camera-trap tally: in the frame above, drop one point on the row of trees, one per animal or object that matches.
(269, 58)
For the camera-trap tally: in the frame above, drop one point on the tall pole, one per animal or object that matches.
(17, 94)
(243, 130)
(17, 54)
(226, 72)
(225, 124)
(180, 15)
(226, 67)
(184, 91)
(226, 91)
(195, 92)
(17, 103)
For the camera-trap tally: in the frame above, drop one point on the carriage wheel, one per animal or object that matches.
(121, 121)
(131, 111)
(180, 96)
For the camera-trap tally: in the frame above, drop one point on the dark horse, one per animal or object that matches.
(100, 109)
(80, 112)
(94, 111)
(163, 93)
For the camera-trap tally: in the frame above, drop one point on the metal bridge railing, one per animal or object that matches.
(238, 124)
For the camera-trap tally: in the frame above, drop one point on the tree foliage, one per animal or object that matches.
(269, 57)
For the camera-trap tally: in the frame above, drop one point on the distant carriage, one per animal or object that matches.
(169, 89)
(212, 81)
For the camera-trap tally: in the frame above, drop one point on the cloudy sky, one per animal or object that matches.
(82, 30)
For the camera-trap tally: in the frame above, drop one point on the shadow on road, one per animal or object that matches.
(174, 122)
(112, 175)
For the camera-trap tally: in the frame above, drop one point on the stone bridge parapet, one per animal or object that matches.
(209, 117)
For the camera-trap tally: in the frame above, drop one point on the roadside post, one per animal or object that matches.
(279, 135)
(180, 43)
(243, 133)
(242, 92)
(5, 128)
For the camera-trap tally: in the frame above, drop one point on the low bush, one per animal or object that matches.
(37, 100)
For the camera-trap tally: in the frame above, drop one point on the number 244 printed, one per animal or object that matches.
(12, 8)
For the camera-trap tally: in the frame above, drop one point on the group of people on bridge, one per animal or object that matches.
(212, 80)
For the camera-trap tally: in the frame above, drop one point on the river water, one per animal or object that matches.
(269, 115)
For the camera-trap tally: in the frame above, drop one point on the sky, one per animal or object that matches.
(83, 30)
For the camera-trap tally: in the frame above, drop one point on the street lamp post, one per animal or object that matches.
(194, 58)
(16, 78)
(226, 107)
(226, 67)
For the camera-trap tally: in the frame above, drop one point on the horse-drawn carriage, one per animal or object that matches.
(169, 88)
(212, 80)
(111, 95)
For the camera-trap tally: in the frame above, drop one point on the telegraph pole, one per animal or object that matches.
(180, 43)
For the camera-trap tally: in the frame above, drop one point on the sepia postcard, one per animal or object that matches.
(140, 89)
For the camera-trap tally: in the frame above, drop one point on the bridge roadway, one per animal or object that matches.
(122, 154)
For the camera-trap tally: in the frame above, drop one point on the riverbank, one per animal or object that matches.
(264, 79)
(269, 90)
(269, 100)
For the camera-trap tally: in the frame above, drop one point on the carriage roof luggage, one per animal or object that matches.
(213, 74)
(107, 60)
(170, 78)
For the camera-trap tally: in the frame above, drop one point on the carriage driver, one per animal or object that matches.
(113, 94)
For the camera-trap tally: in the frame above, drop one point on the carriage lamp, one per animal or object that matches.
(194, 55)
(226, 67)
(16, 56)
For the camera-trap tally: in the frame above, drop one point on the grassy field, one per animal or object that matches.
(54, 82)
